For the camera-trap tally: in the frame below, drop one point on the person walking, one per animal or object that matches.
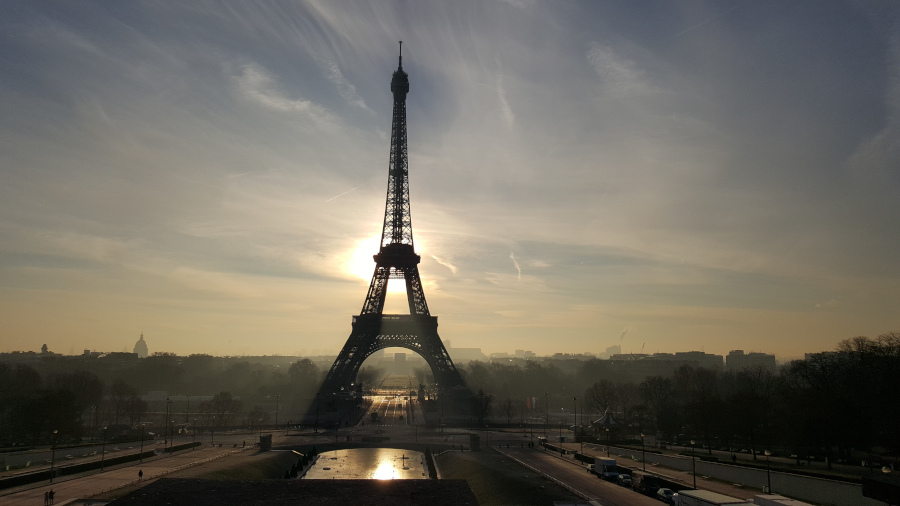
(46, 498)
(50, 494)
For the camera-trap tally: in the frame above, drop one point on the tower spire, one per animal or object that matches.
(401, 55)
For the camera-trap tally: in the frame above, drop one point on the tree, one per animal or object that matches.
(121, 395)
(509, 409)
(224, 408)
(481, 406)
(305, 374)
(136, 408)
(659, 394)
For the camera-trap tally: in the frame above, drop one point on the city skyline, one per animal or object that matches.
(668, 177)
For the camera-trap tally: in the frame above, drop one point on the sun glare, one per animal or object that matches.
(360, 263)
(385, 471)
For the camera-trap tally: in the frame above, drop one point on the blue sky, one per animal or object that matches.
(665, 175)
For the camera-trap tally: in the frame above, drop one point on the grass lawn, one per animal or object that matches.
(496, 480)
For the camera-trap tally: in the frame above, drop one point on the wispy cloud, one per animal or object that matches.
(445, 264)
(619, 76)
(516, 265)
(257, 85)
(335, 76)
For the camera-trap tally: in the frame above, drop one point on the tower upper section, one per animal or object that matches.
(400, 81)
(397, 219)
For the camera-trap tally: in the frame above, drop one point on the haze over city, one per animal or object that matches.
(665, 176)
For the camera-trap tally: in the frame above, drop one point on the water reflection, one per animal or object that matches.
(369, 463)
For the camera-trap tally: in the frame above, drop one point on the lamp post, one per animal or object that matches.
(103, 449)
(172, 439)
(643, 460)
(547, 407)
(768, 473)
(316, 427)
(166, 425)
(194, 439)
(187, 412)
(607, 441)
(142, 442)
(53, 455)
(277, 395)
(694, 463)
(575, 417)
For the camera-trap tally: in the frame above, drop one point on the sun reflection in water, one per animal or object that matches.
(385, 471)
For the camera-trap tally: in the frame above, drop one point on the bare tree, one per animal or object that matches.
(224, 408)
(120, 394)
(509, 409)
(481, 406)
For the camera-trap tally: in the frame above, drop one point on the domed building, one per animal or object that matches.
(140, 347)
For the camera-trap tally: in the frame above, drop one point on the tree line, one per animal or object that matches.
(840, 405)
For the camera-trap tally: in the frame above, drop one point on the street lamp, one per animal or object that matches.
(142, 442)
(643, 459)
(103, 449)
(607, 441)
(694, 463)
(316, 427)
(575, 414)
(768, 473)
(166, 424)
(53, 455)
(547, 407)
(277, 395)
(172, 439)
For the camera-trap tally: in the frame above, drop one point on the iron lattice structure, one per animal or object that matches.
(396, 259)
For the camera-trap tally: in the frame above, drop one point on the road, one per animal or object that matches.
(576, 477)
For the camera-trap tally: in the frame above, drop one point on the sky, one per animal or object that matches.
(664, 176)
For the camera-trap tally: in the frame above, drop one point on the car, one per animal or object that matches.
(665, 495)
(624, 480)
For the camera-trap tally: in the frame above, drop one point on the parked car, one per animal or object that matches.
(665, 495)
(624, 480)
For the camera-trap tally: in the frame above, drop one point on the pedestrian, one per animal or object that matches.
(46, 498)
(50, 495)
(140, 475)
(733, 458)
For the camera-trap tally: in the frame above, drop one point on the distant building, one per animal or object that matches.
(737, 360)
(706, 360)
(140, 347)
(44, 349)
(614, 350)
(460, 355)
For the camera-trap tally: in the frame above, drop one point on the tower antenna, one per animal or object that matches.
(401, 54)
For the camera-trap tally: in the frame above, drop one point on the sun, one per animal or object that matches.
(360, 264)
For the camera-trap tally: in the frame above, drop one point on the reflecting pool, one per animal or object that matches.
(369, 463)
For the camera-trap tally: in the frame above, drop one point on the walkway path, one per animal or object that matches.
(86, 485)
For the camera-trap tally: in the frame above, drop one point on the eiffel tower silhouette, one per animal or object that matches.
(396, 259)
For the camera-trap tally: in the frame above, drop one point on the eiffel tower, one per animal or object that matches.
(396, 259)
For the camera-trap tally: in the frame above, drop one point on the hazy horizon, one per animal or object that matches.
(668, 176)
